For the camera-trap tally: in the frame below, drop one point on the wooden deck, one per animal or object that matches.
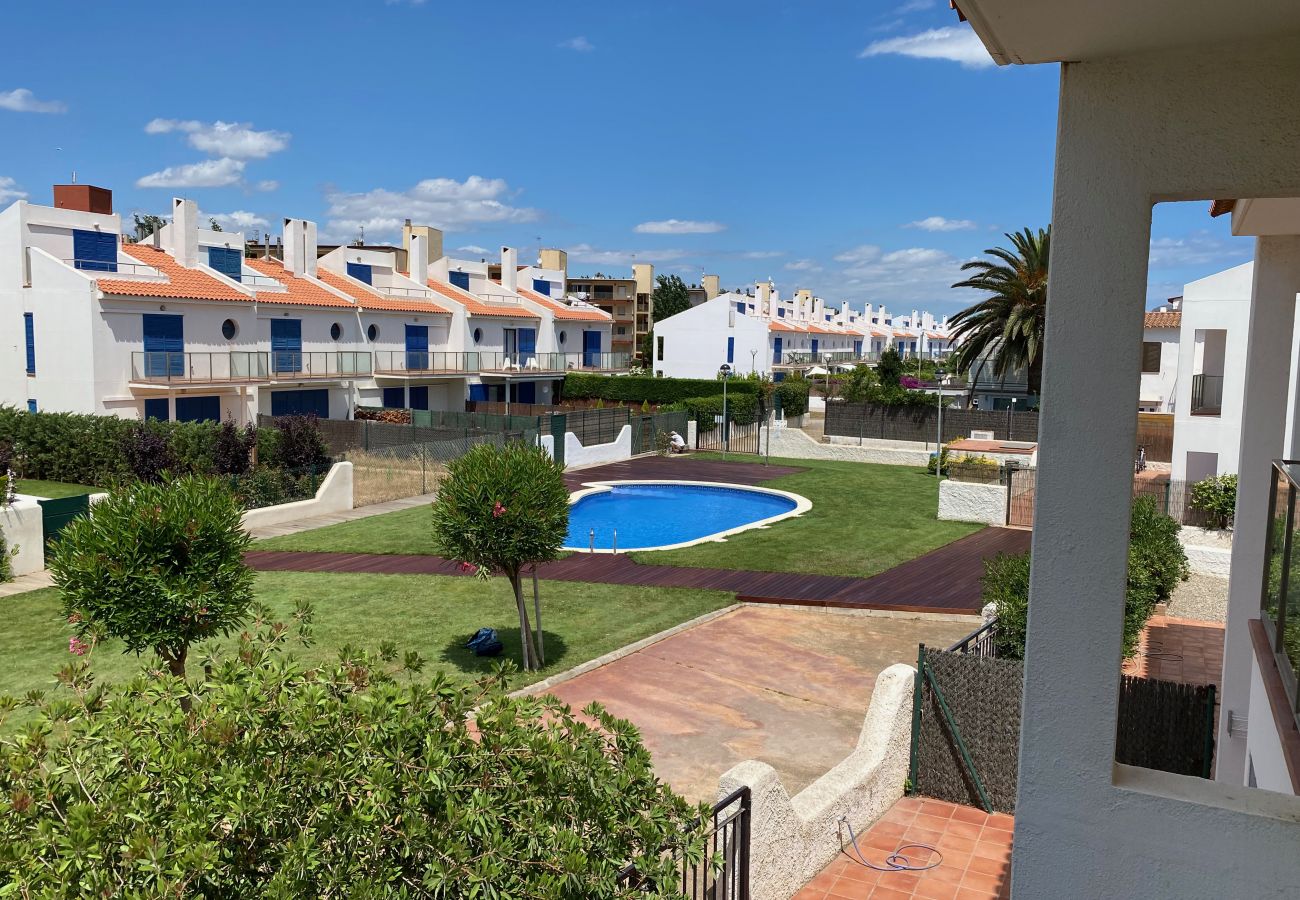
(683, 468)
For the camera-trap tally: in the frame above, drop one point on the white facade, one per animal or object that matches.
(1160, 383)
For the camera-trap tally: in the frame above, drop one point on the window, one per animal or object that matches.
(660, 349)
(394, 398)
(156, 408)
(372, 333)
(622, 329)
(95, 251)
(299, 403)
(30, 334)
(740, 307)
(361, 272)
(229, 329)
(198, 409)
(227, 261)
(780, 312)
(478, 335)
(563, 337)
(1150, 356)
(731, 349)
(542, 286)
(460, 279)
(336, 331)
(31, 406)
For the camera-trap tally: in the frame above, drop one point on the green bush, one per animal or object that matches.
(742, 409)
(352, 779)
(1156, 563)
(1217, 497)
(639, 389)
(6, 567)
(159, 566)
(793, 395)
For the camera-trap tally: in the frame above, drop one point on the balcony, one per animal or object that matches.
(827, 358)
(120, 268)
(295, 365)
(165, 367)
(428, 363)
(1207, 395)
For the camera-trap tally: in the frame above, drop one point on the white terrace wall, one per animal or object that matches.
(795, 443)
(965, 501)
(576, 455)
(334, 495)
(22, 525)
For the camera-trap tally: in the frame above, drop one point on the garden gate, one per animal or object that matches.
(1022, 487)
(56, 514)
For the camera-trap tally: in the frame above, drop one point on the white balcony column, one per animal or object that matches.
(1263, 427)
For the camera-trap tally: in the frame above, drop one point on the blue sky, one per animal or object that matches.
(862, 149)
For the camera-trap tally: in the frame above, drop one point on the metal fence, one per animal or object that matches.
(1173, 497)
(410, 470)
(920, 423)
(729, 839)
(596, 426)
(648, 428)
(343, 436)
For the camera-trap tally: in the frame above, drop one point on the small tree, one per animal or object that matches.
(300, 445)
(159, 566)
(858, 388)
(670, 296)
(147, 224)
(1216, 496)
(889, 371)
(504, 508)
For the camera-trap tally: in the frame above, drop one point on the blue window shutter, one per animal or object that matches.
(394, 398)
(527, 338)
(527, 392)
(286, 345)
(591, 348)
(164, 345)
(94, 251)
(361, 272)
(198, 409)
(156, 408)
(857, 348)
(780, 312)
(227, 260)
(419, 396)
(478, 392)
(297, 403)
(460, 279)
(776, 351)
(542, 286)
(740, 307)
(31, 406)
(417, 348)
(731, 349)
(29, 332)
(815, 342)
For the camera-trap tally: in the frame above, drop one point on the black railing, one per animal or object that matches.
(980, 642)
(1207, 395)
(729, 840)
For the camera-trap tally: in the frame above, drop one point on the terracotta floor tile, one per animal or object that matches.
(967, 814)
(937, 808)
(929, 889)
(860, 874)
(937, 823)
(965, 829)
(885, 893)
(988, 883)
(954, 843)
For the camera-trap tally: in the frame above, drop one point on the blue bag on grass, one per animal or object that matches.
(485, 642)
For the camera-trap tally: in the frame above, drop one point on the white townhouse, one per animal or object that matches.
(1161, 331)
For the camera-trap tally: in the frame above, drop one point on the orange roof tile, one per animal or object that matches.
(375, 299)
(182, 283)
(301, 291)
(1162, 320)
(476, 307)
(778, 325)
(934, 335)
(1221, 207)
(906, 334)
(564, 310)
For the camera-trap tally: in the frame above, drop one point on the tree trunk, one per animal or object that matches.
(525, 629)
(537, 608)
(176, 666)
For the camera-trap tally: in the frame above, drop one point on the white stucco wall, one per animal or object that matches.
(1264, 752)
(23, 526)
(793, 838)
(575, 454)
(334, 495)
(695, 340)
(1209, 551)
(964, 501)
(794, 442)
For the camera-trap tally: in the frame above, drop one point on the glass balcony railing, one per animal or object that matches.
(434, 362)
(168, 367)
(297, 364)
(1280, 603)
(1207, 395)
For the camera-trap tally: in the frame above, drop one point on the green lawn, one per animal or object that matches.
(404, 531)
(430, 614)
(52, 490)
(865, 519)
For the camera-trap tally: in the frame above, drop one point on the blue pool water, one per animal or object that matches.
(655, 515)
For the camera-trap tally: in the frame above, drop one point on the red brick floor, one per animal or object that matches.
(976, 862)
(1187, 651)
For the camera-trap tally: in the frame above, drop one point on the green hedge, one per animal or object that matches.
(793, 395)
(741, 409)
(644, 389)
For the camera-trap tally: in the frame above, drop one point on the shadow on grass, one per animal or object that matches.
(454, 653)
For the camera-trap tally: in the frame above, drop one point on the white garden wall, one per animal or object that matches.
(22, 524)
(334, 495)
(964, 501)
(797, 444)
(1209, 552)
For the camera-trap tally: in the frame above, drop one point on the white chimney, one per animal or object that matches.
(300, 247)
(509, 268)
(185, 232)
(418, 258)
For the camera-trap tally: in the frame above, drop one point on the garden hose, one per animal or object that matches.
(897, 861)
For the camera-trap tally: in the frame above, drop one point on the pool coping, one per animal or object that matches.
(801, 505)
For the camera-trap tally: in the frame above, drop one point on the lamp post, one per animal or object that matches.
(940, 375)
(725, 371)
(1011, 411)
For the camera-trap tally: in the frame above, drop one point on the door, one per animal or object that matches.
(298, 403)
(591, 349)
(198, 409)
(527, 338)
(857, 349)
(419, 396)
(527, 392)
(776, 351)
(417, 347)
(394, 398)
(286, 345)
(164, 346)
(815, 342)
(156, 408)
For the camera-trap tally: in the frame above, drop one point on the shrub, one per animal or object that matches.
(504, 508)
(889, 369)
(232, 449)
(300, 444)
(350, 779)
(793, 395)
(636, 389)
(1217, 497)
(159, 566)
(742, 409)
(1006, 585)
(148, 455)
(858, 386)
(1155, 548)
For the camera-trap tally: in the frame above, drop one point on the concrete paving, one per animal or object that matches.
(361, 512)
(787, 686)
(24, 583)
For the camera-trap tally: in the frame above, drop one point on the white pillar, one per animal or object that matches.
(1263, 425)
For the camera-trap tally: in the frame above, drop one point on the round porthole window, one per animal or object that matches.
(478, 335)
(562, 337)
(229, 329)
(373, 332)
(336, 331)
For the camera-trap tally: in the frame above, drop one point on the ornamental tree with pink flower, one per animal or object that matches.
(159, 566)
(504, 509)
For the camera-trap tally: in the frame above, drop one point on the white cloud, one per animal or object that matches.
(9, 190)
(958, 44)
(1197, 249)
(803, 265)
(239, 220)
(23, 100)
(474, 249)
(442, 202)
(859, 254)
(585, 253)
(939, 223)
(268, 184)
(679, 226)
(209, 173)
(921, 276)
(911, 6)
(579, 43)
(761, 254)
(237, 140)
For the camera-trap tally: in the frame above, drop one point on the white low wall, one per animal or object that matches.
(792, 442)
(1209, 551)
(23, 526)
(577, 455)
(792, 839)
(964, 501)
(334, 495)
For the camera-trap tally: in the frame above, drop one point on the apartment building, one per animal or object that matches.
(629, 301)
(185, 326)
(1161, 331)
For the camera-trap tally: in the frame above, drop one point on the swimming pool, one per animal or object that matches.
(660, 515)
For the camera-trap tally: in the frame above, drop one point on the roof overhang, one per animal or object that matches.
(1046, 31)
(1266, 216)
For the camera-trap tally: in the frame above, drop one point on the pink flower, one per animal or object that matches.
(77, 646)
(468, 567)
(74, 618)
(498, 510)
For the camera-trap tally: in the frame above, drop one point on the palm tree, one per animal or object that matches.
(1006, 327)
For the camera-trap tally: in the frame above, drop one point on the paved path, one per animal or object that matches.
(946, 580)
(24, 583)
(361, 512)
